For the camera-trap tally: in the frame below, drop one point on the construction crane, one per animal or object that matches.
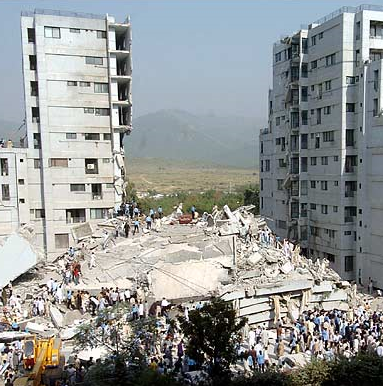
(42, 362)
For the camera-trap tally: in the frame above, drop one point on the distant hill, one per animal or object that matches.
(179, 135)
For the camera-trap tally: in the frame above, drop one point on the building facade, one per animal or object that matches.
(321, 154)
(77, 84)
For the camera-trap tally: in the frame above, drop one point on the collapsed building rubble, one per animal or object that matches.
(225, 253)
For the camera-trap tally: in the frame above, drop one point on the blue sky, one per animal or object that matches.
(208, 57)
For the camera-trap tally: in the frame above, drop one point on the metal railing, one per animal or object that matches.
(348, 9)
(52, 12)
(349, 219)
(74, 220)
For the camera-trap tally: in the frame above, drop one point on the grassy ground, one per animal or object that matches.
(165, 176)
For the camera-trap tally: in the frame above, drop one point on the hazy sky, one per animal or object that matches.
(210, 57)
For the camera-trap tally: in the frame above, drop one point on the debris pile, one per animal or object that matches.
(232, 254)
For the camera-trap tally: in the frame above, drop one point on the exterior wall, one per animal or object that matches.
(15, 210)
(70, 125)
(339, 210)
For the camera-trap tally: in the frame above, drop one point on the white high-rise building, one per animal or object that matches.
(321, 156)
(77, 82)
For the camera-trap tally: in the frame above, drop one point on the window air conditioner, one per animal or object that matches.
(90, 166)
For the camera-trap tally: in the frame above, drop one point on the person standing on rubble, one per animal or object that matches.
(127, 228)
(92, 261)
(193, 212)
(136, 226)
(148, 222)
(159, 211)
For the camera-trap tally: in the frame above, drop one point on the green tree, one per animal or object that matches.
(251, 197)
(213, 333)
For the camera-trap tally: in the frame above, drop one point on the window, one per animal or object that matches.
(312, 184)
(303, 164)
(324, 209)
(375, 108)
(91, 166)
(36, 163)
(74, 30)
(32, 62)
(39, 213)
(101, 87)
(350, 79)
(324, 160)
(335, 209)
(357, 30)
(277, 141)
(92, 136)
(328, 85)
(88, 110)
(77, 187)
(376, 80)
(327, 110)
(319, 116)
(304, 210)
(84, 84)
(34, 88)
(21, 181)
(347, 233)
(323, 185)
(36, 141)
(313, 161)
(101, 34)
(71, 83)
(35, 114)
(52, 32)
(350, 107)
(304, 70)
(31, 35)
(314, 231)
(21, 200)
(70, 135)
(93, 60)
(294, 73)
(278, 56)
(58, 162)
(350, 137)
(261, 183)
(313, 40)
(304, 188)
(75, 216)
(336, 158)
(304, 141)
(349, 263)
(328, 136)
(279, 184)
(304, 93)
(98, 213)
(5, 192)
(314, 64)
(4, 166)
(107, 160)
(330, 60)
(102, 112)
(62, 241)
(313, 206)
(107, 137)
(277, 121)
(282, 163)
(317, 141)
(320, 35)
(267, 166)
(336, 183)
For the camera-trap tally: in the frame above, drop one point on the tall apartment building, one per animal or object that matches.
(321, 155)
(77, 84)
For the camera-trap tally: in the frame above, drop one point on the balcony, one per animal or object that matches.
(74, 216)
(349, 193)
(349, 169)
(349, 219)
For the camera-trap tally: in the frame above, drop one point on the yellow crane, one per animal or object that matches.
(42, 361)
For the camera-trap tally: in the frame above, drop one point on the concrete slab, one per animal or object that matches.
(246, 302)
(57, 317)
(81, 231)
(16, 257)
(233, 295)
(325, 286)
(255, 309)
(285, 287)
